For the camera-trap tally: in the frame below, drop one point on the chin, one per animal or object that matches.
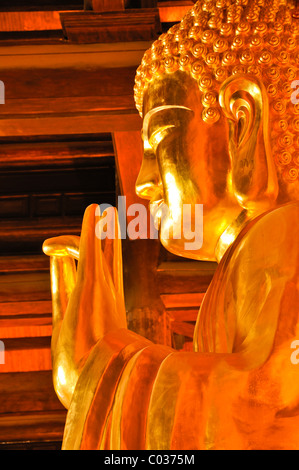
(177, 247)
(195, 243)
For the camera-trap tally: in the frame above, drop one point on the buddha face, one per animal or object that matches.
(237, 158)
(186, 165)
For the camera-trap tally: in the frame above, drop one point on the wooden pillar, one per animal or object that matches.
(145, 310)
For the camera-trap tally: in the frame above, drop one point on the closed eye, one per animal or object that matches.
(151, 143)
(159, 135)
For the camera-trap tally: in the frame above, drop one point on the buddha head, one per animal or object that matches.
(220, 119)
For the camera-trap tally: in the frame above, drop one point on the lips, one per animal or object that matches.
(156, 211)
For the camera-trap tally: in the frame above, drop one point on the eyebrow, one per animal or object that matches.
(154, 111)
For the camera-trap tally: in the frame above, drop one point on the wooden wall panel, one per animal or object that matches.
(30, 410)
(45, 188)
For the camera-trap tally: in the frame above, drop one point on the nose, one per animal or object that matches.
(149, 181)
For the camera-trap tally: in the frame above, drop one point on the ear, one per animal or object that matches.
(244, 101)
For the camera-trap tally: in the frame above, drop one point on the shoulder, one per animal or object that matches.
(247, 295)
(268, 239)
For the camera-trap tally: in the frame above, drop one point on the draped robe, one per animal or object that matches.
(239, 389)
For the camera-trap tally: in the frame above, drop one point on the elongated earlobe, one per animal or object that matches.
(245, 103)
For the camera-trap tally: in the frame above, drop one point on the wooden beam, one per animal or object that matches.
(179, 300)
(183, 328)
(54, 154)
(68, 125)
(111, 27)
(105, 5)
(30, 21)
(192, 277)
(183, 315)
(173, 12)
(38, 5)
(72, 56)
(22, 264)
(114, 5)
(41, 308)
(44, 96)
(33, 21)
(144, 3)
(32, 426)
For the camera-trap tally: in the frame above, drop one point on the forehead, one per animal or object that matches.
(177, 89)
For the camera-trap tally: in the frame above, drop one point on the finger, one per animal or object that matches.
(112, 248)
(63, 279)
(67, 245)
(90, 259)
(117, 258)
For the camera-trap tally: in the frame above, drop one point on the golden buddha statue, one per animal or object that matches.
(220, 129)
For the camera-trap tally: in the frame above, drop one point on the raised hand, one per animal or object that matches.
(87, 303)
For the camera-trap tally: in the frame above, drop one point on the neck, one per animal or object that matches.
(230, 234)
